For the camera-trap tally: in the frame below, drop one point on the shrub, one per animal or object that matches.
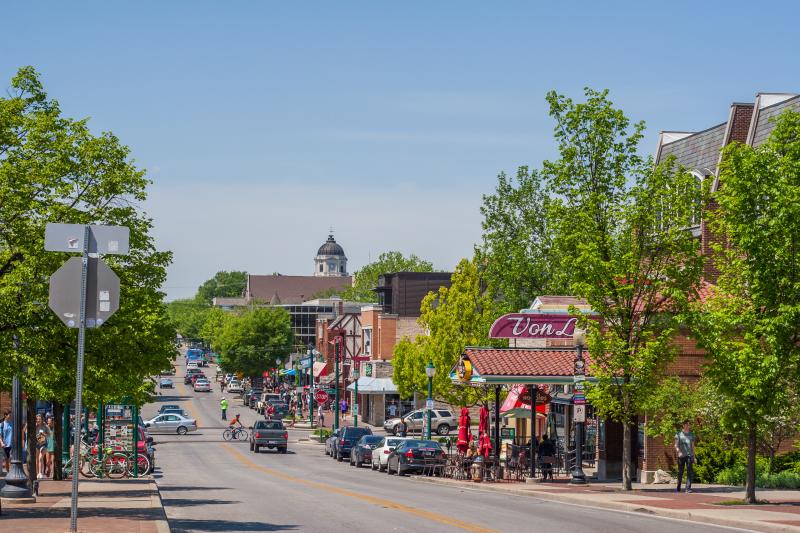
(764, 480)
(714, 457)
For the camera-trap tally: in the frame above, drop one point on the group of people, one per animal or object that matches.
(44, 438)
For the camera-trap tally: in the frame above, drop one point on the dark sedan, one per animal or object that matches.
(416, 456)
(348, 436)
(361, 452)
(252, 396)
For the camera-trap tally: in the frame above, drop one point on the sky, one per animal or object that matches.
(264, 124)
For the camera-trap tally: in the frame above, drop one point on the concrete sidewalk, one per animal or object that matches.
(121, 506)
(711, 504)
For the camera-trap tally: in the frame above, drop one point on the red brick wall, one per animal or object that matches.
(5, 402)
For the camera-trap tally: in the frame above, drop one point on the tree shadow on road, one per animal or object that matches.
(189, 502)
(188, 524)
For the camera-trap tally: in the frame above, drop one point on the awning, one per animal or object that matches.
(320, 369)
(514, 401)
(374, 386)
(290, 372)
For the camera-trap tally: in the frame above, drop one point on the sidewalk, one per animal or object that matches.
(121, 506)
(711, 504)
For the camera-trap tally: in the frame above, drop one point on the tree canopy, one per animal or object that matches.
(223, 284)
(366, 278)
(252, 342)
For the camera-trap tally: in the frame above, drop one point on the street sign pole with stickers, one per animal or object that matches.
(84, 292)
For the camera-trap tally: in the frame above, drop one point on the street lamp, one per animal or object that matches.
(16, 481)
(579, 405)
(355, 375)
(430, 371)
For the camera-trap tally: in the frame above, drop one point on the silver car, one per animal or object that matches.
(442, 421)
(171, 423)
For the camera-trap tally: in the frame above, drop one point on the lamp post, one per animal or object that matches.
(578, 399)
(16, 481)
(430, 371)
(336, 381)
(356, 375)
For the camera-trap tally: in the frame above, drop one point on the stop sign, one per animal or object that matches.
(321, 396)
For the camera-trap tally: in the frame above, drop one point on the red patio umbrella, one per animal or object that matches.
(464, 435)
(484, 442)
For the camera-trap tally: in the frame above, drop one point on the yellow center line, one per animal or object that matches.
(189, 403)
(389, 504)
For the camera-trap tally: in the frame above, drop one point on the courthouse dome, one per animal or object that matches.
(331, 247)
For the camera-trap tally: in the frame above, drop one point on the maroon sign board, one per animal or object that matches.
(533, 326)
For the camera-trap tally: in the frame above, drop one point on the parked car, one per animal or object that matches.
(330, 442)
(442, 421)
(168, 406)
(269, 433)
(170, 372)
(202, 385)
(177, 411)
(381, 452)
(414, 455)
(171, 423)
(166, 383)
(348, 436)
(235, 386)
(281, 409)
(267, 397)
(361, 452)
(251, 398)
(187, 378)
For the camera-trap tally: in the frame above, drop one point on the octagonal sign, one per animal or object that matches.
(102, 292)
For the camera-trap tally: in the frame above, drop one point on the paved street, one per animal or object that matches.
(209, 485)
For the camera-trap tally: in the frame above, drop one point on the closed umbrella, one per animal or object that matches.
(484, 442)
(463, 431)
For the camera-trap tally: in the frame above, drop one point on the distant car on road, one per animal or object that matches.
(251, 398)
(177, 411)
(266, 398)
(166, 383)
(269, 433)
(168, 406)
(191, 364)
(187, 379)
(202, 385)
(235, 386)
(361, 452)
(348, 436)
(415, 455)
(171, 423)
(381, 452)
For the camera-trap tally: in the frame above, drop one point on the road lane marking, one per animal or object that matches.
(190, 402)
(389, 504)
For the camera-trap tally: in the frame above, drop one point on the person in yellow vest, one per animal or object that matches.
(223, 406)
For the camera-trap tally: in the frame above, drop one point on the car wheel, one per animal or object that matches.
(251, 446)
(381, 468)
(284, 450)
(358, 463)
(393, 431)
(400, 470)
(256, 449)
(182, 430)
(443, 429)
(339, 457)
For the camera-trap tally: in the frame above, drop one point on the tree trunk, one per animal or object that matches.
(30, 404)
(58, 432)
(750, 484)
(627, 467)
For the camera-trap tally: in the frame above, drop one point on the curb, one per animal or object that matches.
(162, 526)
(620, 506)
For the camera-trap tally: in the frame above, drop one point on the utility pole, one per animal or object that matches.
(336, 351)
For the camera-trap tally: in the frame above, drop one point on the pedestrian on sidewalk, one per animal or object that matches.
(6, 432)
(42, 432)
(343, 407)
(684, 447)
(51, 446)
(321, 415)
(223, 406)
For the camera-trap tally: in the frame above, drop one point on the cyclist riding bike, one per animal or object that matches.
(235, 421)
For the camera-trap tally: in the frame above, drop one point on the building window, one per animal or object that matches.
(367, 341)
(320, 267)
(341, 269)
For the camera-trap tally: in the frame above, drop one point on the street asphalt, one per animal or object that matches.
(207, 484)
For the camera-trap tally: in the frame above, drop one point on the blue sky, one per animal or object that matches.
(264, 123)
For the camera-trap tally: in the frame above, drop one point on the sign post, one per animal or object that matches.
(76, 309)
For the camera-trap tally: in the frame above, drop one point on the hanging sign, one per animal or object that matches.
(579, 413)
(533, 326)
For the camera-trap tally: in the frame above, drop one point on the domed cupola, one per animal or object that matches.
(330, 259)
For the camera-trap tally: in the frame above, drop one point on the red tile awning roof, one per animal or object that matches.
(523, 365)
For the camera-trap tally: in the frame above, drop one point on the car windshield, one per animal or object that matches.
(268, 424)
(422, 444)
(393, 442)
(356, 433)
(371, 440)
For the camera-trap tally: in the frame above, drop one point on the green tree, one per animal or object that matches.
(622, 235)
(188, 316)
(223, 284)
(366, 279)
(253, 341)
(517, 252)
(53, 169)
(751, 324)
(455, 317)
(214, 325)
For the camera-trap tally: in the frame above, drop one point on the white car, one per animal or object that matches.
(380, 454)
(191, 364)
(171, 423)
(235, 386)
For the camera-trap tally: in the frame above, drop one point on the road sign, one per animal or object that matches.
(102, 292)
(579, 413)
(578, 399)
(428, 404)
(102, 239)
(321, 396)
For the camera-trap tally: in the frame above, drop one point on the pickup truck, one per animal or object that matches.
(269, 433)
(265, 398)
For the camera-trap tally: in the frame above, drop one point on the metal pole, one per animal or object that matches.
(355, 401)
(336, 393)
(497, 425)
(135, 441)
(16, 481)
(73, 515)
(430, 399)
(534, 389)
(578, 477)
(101, 435)
(65, 434)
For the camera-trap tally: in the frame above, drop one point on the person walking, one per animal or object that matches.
(51, 446)
(546, 452)
(223, 406)
(6, 436)
(42, 433)
(343, 407)
(684, 447)
(270, 413)
(321, 415)
(402, 428)
(392, 409)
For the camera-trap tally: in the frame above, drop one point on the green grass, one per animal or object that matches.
(741, 502)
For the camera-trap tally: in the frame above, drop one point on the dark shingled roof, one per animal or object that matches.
(292, 289)
(330, 247)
